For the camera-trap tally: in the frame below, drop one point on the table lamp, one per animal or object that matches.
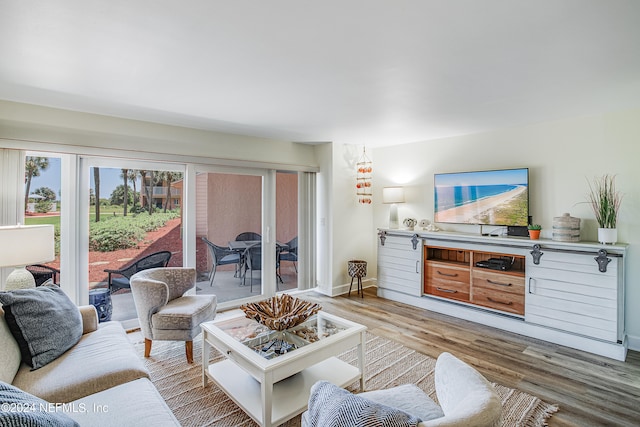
(393, 195)
(24, 245)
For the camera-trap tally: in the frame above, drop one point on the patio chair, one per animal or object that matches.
(221, 256)
(290, 253)
(248, 235)
(253, 261)
(157, 259)
(253, 257)
(41, 273)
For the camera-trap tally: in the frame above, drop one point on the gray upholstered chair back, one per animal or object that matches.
(155, 287)
(177, 280)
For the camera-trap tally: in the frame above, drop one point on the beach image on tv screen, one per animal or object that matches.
(489, 197)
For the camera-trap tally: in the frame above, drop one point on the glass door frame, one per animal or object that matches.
(268, 220)
(85, 164)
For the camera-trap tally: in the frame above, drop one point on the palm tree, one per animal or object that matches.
(125, 176)
(96, 180)
(133, 177)
(168, 178)
(148, 188)
(32, 167)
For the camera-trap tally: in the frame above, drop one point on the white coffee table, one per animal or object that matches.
(274, 390)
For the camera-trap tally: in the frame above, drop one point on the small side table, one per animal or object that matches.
(101, 299)
(357, 270)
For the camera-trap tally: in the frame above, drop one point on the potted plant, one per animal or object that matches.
(605, 201)
(534, 231)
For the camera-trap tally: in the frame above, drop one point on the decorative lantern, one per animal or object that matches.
(363, 179)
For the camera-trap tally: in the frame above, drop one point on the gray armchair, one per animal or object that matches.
(165, 313)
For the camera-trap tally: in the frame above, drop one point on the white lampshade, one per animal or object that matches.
(25, 245)
(393, 195)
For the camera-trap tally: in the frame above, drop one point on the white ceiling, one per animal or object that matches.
(373, 72)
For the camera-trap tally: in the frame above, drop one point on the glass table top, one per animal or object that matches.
(271, 344)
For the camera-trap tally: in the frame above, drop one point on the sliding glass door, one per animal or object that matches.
(231, 252)
(287, 236)
(262, 219)
(43, 203)
(134, 219)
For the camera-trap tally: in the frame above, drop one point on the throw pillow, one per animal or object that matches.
(409, 398)
(332, 406)
(44, 322)
(19, 408)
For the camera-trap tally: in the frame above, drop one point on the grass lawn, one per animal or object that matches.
(106, 212)
(39, 220)
(114, 231)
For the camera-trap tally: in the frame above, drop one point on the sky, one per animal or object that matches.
(109, 179)
(496, 177)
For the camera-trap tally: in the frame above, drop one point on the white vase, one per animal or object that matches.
(607, 235)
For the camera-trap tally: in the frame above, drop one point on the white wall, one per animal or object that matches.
(344, 225)
(30, 124)
(560, 155)
(352, 222)
(324, 182)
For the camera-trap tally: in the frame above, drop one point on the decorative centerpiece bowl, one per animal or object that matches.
(280, 312)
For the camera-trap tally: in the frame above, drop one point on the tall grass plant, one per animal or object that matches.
(605, 201)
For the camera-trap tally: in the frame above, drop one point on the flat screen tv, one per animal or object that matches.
(495, 197)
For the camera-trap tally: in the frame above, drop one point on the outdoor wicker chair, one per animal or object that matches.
(221, 256)
(157, 259)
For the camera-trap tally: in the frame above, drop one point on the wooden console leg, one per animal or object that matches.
(188, 347)
(147, 347)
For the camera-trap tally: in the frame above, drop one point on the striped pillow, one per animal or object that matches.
(21, 409)
(332, 406)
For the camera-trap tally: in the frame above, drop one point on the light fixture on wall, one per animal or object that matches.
(393, 195)
(24, 245)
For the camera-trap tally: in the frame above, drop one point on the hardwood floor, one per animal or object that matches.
(591, 390)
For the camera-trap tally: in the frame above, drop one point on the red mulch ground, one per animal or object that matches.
(166, 238)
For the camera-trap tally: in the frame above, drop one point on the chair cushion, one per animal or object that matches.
(130, 404)
(288, 256)
(44, 322)
(19, 408)
(184, 313)
(408, 398)
(229, 259)
(120, 282)
(332, 406)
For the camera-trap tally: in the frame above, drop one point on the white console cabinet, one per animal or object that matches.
(567, 291)
(400, 265)
(573, 292)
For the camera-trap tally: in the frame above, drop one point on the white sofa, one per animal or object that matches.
(465, 397)
(99, 381)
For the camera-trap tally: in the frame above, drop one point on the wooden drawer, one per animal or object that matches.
(443, 272)
(499, 282)
(447, 281)
(451, 290)
(498, 300)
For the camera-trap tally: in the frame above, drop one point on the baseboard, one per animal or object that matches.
(634, 342)
(344, 289)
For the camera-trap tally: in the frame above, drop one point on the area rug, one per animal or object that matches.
(388, 364)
